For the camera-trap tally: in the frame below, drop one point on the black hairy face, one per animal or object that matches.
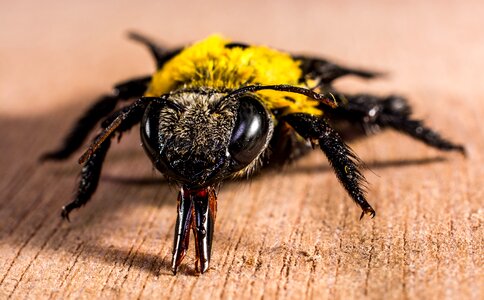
(202, 138)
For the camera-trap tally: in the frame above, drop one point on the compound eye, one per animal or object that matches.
(249, 136)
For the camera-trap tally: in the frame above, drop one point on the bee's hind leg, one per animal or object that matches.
(325, 72)
(160, 54)
(373, 113)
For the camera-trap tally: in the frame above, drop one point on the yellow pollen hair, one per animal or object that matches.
(210, 64)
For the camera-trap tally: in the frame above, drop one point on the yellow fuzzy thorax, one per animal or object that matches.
(209, 64)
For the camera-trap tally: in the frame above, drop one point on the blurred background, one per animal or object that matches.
(56, 52)
(286, 235)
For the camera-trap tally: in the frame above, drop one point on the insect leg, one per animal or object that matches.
(88, 183)
(100, 109)
(160, 54)
(341, 157)
(373, 113)
(286, 145)
(94, 159)
(325, 71)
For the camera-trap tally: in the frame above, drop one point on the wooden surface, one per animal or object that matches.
(285, 235)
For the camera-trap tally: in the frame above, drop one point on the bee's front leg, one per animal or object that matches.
(342, 159)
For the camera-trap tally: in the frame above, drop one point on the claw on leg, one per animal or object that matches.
(196, 210)
(368, 211)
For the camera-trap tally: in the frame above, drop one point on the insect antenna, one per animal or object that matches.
(329, 100)
(125, 116)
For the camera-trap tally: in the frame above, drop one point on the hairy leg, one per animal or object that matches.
(106, 104)
(325, 72)
(88, 183)
(342, 159)
(91, 170)
(160, 54)
(99, 110)
(372, 113)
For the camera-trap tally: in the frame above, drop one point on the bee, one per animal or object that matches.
(217, 110)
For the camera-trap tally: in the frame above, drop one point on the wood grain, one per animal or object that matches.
(290, 234)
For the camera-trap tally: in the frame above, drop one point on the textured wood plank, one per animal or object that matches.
(290, 234)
